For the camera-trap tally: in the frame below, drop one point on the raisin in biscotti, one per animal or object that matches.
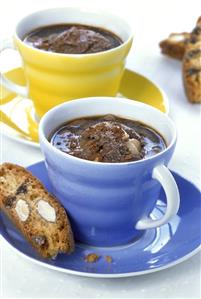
(35, 212)
(174, 45)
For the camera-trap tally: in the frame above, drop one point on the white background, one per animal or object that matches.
(151, 21)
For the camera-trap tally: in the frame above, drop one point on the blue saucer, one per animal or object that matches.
(157, 249)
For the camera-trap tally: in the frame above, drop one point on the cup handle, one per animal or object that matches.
(21, 90)
(162, 174)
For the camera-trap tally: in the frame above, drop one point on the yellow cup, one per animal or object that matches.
(53, 78)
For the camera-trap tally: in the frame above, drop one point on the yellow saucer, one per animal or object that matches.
(17, 115)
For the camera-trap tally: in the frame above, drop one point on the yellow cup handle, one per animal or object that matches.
(21, 90)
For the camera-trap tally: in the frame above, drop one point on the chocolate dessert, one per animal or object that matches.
(107, 139)
(72, 39)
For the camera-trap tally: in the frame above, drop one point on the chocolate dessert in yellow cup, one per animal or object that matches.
(53, 78)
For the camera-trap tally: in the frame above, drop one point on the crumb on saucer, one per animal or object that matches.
(91, 258)
(108, 258)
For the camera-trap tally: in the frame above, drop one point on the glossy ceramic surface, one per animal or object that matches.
(19, 116)
(155, 250)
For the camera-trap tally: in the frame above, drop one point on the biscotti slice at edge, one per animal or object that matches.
(35, 212)
(174, 45)
(191, 65)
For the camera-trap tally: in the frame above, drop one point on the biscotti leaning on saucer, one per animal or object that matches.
(34, 211)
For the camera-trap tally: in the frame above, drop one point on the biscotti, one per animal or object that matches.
(192, 73)
(174, 45)
(191, 65)
(35, 212)
(187, 47)
(196, 33)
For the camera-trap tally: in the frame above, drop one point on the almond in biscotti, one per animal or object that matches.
(35, 212)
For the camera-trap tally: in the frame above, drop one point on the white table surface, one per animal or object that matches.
(151, 22)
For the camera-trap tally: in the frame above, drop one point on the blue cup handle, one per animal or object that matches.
(162, 174)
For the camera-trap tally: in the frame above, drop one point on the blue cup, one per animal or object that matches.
(109, 203)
